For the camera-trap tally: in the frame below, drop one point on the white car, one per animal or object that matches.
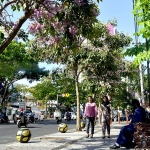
(38, 115)
(73, 116)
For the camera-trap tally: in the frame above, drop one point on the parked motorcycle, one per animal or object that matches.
(4, 120)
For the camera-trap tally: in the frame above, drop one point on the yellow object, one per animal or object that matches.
(82, 124)
(67, 94)
(26, 132)
(62, 128)
(23, 135)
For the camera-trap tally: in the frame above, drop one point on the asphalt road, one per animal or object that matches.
(8, 131)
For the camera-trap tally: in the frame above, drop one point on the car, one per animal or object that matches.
(73, 116)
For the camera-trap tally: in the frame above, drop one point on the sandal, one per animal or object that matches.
(87, 136)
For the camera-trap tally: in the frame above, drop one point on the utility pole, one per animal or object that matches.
(141, 84)
(140, 65)
(148, 72)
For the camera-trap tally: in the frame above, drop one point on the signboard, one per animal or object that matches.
(67, 94)
(22, 105)
(63, 95)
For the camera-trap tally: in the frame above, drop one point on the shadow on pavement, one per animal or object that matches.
(32, 127)
(34, 142)
(47, 122)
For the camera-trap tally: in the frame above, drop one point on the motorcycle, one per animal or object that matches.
(31, 119)
(57, 116)
(68, 118)
(4, 120)
(22, 121)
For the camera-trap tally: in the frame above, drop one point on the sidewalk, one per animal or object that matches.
(71, 140)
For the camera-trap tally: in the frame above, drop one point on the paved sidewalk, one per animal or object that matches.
(71, 140)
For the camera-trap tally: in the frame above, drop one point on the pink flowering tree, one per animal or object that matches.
(49, 20)
(62, 41)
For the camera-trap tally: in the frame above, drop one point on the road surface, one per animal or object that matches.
(8, 131)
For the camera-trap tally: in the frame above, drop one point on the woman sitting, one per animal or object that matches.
(125, 137)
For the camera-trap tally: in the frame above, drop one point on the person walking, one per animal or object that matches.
(105, 116)
(125, 136)
(90, 114)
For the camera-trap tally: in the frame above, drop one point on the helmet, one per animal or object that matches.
(21, 109)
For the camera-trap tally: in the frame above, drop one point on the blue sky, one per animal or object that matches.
(121, 10)
(110, 9)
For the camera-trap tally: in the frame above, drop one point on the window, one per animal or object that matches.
(9, 111)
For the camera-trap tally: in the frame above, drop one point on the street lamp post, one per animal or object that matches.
(140, 65)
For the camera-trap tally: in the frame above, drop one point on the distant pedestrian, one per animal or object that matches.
(105, 116)
(90, 113)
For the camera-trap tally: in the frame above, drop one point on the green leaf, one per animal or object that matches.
(2, 35)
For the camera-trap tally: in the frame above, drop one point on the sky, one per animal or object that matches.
(109, 9)
(121, 10)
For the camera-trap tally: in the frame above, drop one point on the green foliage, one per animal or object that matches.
(44, 90)
(119, 96)
(16, 64)
(1, 36)
(142, 13)
(113, 22)
(139, 52)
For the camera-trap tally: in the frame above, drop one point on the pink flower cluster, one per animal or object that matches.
(34, 27)
(54, 40)
(55, 17)
(73, 30)
(79, 2)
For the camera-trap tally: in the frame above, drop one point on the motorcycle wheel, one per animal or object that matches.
(19, 125)
(26, 125)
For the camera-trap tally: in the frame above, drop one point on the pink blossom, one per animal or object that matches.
(79, 2)
(111, 29)
(73, 30)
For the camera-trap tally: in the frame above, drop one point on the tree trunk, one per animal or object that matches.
(78, 128)
(99, 104)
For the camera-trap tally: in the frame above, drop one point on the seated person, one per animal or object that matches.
(125, 136)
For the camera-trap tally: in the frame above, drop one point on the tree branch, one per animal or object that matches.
(15, 30)
(7, 4)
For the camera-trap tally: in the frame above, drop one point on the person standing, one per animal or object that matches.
(105, 116)
(90, 114)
